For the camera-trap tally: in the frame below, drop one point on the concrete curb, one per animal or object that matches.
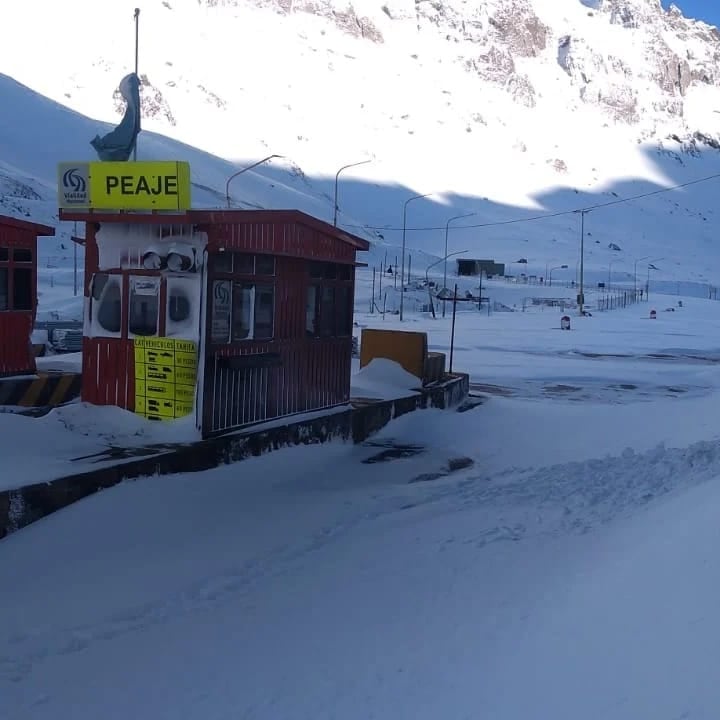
(25, 505)
(41, 390)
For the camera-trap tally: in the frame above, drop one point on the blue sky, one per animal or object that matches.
(707, 10)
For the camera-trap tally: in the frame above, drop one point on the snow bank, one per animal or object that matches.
(383, 378)
(119, 427)
(66, 362)
(64, 441)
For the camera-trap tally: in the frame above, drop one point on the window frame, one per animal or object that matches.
(95, 303)
(181, 285)
(12, 268)
(27, 283)
(330, 275)
(156, 280)
(240, 279)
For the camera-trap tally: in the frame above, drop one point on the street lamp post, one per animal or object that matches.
(402, 266)
(447, 230)
(337, 175)
(240, 172)
(437, 262)
(581, 296)
(635, 264)
(427, 278)
(650, 267)
(557, 267)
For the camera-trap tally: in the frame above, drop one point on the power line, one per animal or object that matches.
(547, 216)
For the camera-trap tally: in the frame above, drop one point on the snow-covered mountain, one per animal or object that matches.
(503, 108)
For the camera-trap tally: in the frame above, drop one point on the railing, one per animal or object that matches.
(618, 300)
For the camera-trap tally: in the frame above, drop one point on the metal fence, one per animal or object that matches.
(618, 300)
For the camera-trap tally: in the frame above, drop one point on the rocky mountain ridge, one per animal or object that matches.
(631, 58)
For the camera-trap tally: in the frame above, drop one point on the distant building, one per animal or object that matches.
(476, 267)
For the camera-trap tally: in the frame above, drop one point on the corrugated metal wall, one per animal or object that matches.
(281, 238)
(109, 372)
(16, 356)
(311, 373)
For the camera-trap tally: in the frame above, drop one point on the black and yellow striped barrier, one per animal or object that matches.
(41, 390)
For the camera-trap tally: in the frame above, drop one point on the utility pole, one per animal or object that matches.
(582, 261)
(447, 230)
(337, 175)
(75, 238)
(402, 268)
(137, 48)
(245, 169)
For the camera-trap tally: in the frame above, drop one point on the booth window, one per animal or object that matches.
(144, 306)
(242, 311)
(222, 262)
(327, 311)
(265, 265)
(16, 281)
(22, 255)
(252, 316)
(344, 308)
(22, 289)
(106, 302)
(3, 288)
(329, 300)
(264, 311)
(244, 264)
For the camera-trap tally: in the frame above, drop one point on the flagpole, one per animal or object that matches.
(137, 43)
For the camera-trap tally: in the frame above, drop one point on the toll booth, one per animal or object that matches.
(18, 293)
(235, 316)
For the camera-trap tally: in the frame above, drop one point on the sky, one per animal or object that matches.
(707, 10)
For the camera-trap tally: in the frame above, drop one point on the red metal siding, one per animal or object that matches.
(109, 372)
(16, 326)
(92, 258)
(279, 238)
(313, 373)
(16, 355)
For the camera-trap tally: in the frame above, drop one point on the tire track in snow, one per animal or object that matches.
(571, 498)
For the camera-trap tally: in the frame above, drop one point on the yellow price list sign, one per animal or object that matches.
(165, 377)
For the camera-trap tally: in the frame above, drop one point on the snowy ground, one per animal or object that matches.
(534, 557)
(620, 361)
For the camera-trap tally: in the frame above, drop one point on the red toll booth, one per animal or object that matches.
(18, 293)
(235, 316)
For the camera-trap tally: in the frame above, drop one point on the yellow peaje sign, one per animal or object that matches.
(165, 377)
(153, 185)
